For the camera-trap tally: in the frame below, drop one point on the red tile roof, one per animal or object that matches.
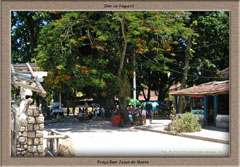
(211, 88)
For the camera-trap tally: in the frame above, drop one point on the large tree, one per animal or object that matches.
(208, 52)
(212, 46)
(84, 51)
(93, 52)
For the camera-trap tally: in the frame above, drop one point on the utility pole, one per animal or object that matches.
(134, 78)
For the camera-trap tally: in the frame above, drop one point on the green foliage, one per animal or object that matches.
(212, 45)
(25, 29)
(186, 123)
(72, 42)
(173, 114)
(82, 50)
(15, 94)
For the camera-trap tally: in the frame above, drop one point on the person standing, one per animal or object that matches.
(102, 112)
(140, 115)
(144, 113)
(68, 111)
(80, 116)
(149, 112)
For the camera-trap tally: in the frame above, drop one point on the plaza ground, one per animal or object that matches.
(101, 138)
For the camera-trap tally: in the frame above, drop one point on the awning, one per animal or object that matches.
(206, 89)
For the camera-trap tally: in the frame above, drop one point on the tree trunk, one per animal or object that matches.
(182, 102)
(144, 94)
(163, 90)
(149, 94)
(162, 94)
(108, 104)
(147, 97)
(124, 49)
(123, 110)
(123, 82)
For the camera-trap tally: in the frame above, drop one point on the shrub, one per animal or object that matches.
(173, 114)
(186, 123)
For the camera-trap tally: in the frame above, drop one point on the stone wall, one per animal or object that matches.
(21, 147)
(30, 141)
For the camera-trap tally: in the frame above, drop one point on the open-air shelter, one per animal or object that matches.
(214, 88)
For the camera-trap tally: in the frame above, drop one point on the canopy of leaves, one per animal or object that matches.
(82, 50)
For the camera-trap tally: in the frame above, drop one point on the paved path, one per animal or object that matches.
(100, 138)
(207, 134)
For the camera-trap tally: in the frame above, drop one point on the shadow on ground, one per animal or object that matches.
(216, 129)
(74, 125)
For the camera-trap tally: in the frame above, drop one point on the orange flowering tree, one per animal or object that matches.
(93, 52)
(74, 58)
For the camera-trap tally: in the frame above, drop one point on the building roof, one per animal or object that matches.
(175, 86)
(153, 96)
(211, 88)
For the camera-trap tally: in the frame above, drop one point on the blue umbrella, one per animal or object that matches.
(154, 105)
(95, 105)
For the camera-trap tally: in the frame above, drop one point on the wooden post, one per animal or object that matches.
(205, 110)
(215, 108)
(176, 103)
(55, 145)
(43, 92)
(51, 142)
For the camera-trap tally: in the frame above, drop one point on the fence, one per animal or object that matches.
(52, 142)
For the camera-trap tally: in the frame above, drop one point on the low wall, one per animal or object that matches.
(222, 121)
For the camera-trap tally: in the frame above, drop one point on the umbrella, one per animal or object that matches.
(56, 104)
(144, 104)
(132, 102)
(95, 105)
(154, 105)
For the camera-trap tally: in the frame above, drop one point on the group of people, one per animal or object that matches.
(99, 112)
(140, 114)
(84, 114)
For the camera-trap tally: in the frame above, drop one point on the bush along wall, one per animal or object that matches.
(186, 123)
